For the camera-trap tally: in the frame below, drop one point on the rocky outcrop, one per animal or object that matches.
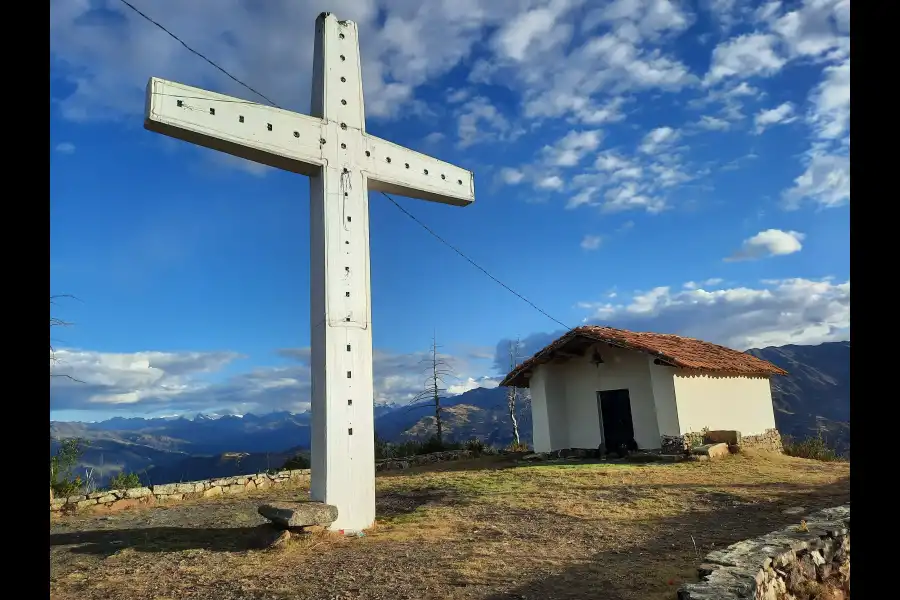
(785, 564)
(174, 492)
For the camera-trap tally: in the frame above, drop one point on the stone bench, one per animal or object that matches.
(299, 514)
(297, 517)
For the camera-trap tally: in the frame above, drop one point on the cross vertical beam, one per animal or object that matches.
(343, 445)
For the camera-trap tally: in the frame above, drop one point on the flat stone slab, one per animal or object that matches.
(299, 514)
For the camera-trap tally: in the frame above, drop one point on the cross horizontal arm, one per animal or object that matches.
(263, 134)
(394, 169)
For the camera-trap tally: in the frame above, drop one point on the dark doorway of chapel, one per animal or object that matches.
(615, 419)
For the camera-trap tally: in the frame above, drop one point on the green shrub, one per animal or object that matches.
(125, 481)
(385, 449)
(520, 447)
(67, 487)
(61, 464)
(296, 462)
(476, 447)
(813, 447)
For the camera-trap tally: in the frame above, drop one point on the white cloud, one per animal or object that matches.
(826, 182)
(713, 123)
(781, 114)
(568, 151)
(617, 182)
(457, 96)
(731, 97)
(107, 52)
(590, 114)
(830, 115)
(659, 138)
(629, 196)
(479, 121)
(693, 285)
(771, 242)
(727, 13)
(551, 182)
(583, 81)
(639, 20)
(591, 242)
(816, 28)
(745, 55)
(585, 196)
(434, 137)
(787, 311)
(65, 148)
(826, 178)
(110, 380)
(177, 382)
(472, 383)
(511, 176)
(534, 30)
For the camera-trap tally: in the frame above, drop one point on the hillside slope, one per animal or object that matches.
(815, 395)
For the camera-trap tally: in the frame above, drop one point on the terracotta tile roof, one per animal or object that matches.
(683, 352)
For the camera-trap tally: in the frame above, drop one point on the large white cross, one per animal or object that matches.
(343, 162)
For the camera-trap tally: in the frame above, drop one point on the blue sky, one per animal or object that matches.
(650, 164)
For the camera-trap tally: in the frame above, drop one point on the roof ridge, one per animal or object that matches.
(685, 352)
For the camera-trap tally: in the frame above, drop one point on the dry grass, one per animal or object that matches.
(480, 529)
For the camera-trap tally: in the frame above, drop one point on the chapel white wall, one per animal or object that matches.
(662, 379)
(575, 421)
(723, 402)
(540, 420)
(557, 408)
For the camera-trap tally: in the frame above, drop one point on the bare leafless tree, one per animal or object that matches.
(57, 322)
(512, 392)
(435, 386)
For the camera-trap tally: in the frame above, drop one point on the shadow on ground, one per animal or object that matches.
(161, 539)
(149, 538)
(649, 569)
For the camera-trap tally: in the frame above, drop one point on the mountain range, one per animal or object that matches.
(814, 397)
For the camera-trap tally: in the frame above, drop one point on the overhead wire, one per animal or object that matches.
(394, 202)
(473, 263)
(191, 50)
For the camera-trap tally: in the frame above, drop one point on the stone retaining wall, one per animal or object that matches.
(174, 492)
(769, 441)
(393, 464)
(790, 563)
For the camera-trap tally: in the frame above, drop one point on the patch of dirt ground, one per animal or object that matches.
(485, 529)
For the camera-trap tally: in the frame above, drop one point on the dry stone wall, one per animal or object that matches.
(394, 464)
(174, 492)
(798, 561)
(769, 440)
